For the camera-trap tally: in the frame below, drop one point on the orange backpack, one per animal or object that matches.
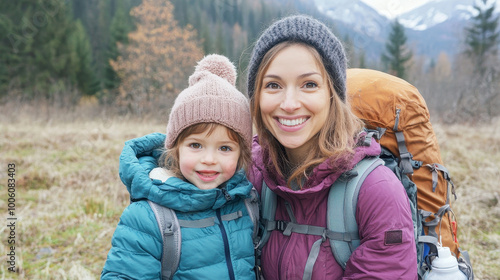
(396, 109)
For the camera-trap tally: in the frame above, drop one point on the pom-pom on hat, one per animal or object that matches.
(300, 28)
(211, 98)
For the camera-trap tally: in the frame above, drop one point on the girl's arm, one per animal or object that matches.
(136, 246)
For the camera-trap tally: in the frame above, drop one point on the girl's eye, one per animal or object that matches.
(272, 85)
(310, 85)
(226, 149)
(195, 145)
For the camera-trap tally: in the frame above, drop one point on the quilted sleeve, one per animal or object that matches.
(387, 249)
(136, 246)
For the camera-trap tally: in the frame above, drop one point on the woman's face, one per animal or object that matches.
(294, 100)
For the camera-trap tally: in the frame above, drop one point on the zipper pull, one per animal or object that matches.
(226, 195)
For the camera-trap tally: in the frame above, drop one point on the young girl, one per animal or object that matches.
(207, 145)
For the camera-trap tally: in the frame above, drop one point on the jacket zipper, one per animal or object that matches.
(284, 247)
(229, 263)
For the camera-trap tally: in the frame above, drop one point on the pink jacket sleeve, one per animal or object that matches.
(255, 177)
(387, 249)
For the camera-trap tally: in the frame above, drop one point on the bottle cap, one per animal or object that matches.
(445, 259)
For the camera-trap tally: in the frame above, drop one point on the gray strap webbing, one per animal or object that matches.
(210, 221)
(171, 237)
(268, 204)
(428, 239)
(311, 259)
(432, 224)
(232, 216)
(288, 227)
(290, 212)
(201, 223)
(405, 162)
(252, 205)
(404, 155)
(342, 202)
(293, 226)
(435, 167)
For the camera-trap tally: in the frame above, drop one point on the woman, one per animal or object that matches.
(307, 137)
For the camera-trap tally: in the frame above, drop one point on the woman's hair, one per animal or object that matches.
(170, 157)
(335, 140)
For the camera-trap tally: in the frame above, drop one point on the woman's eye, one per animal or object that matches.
(226, 149)
(310, 85)
(195, 145)
(272, 85)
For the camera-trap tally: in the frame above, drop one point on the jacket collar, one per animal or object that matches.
(322, 176)
(140, 156)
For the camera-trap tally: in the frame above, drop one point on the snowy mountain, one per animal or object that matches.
(358, 22)
(356, 14)
(436, 12)
(432, 28)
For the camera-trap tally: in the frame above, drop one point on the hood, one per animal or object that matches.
(322, 176)
(139, 156)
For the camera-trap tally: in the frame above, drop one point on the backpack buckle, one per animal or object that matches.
(281, 225)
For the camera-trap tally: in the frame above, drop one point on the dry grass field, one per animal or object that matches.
(68, 196)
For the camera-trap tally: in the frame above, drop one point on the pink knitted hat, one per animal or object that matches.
(211, 98)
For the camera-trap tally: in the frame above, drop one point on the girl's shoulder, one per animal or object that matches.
(140, 220)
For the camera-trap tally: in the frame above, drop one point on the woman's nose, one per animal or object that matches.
(290, 102)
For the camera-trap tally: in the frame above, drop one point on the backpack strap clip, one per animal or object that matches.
(281, 225)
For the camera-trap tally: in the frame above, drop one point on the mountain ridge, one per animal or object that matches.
(431, 29)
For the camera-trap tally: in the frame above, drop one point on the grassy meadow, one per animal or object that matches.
(69, 197)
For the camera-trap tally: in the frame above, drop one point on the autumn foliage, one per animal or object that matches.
(159, 58)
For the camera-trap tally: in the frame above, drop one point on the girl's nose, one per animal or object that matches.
(208, 157)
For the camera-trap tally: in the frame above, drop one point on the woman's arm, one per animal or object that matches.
(387, 249)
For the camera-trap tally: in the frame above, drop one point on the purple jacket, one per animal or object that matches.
(387, 249)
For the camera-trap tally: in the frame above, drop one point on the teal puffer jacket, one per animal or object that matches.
(222, 251)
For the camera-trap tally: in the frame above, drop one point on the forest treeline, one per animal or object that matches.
(136, 55)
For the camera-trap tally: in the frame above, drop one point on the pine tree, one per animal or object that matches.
(479, 95)
(397, 55)
(121, 25)
(158, 59)
(82, 57)
(482, 36)
(7, 55)
(43, 48)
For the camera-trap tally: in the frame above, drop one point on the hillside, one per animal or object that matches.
(69, 197)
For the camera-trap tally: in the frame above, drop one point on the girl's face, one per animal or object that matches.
(206, 160)
(294, 100)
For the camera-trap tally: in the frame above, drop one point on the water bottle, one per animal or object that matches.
(444, 267)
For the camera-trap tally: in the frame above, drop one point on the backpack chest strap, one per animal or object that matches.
(287, 228)
(208, 222)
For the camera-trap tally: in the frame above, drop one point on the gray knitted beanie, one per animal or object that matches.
(211, 98)
(307, 30)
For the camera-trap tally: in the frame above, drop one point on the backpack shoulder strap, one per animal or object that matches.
(171, 237)
(268, 204)
(342, 201)
(252, 205)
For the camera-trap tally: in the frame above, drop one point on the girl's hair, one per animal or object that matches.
(336, 140)
(170, 157)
